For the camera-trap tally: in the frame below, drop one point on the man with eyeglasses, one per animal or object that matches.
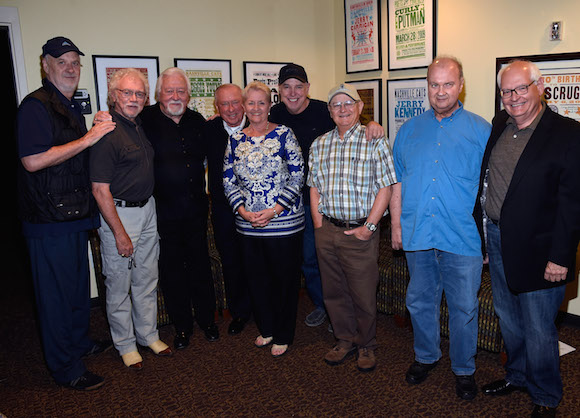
(437, 158)
(121, 171)
(350, 182)
(176, 133)
(57, 212)
(529, 215)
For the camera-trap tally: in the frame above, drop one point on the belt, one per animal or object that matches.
(496, 223)
(126, 204)
(345, 224)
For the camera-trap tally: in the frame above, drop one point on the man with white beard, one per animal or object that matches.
(175, 131)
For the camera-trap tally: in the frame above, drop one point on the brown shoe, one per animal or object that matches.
(338, 355)
(366, 361)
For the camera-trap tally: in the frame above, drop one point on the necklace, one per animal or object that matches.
(258, 132)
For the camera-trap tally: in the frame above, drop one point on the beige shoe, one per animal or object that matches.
(161, 349)
(133, 360)
(278, 350)
(366, 361)
(263, 341)
(338, 355)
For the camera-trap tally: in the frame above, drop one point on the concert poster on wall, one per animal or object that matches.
(406, 98)
(205, 76)
(411, 32)
(362, 21)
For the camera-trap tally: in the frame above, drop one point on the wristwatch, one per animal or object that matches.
(370, 226)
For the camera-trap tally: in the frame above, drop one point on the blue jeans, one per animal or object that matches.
(310, 262)
(432, 273)
(528, 330)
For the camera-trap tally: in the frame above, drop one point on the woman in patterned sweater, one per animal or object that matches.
(263, 178)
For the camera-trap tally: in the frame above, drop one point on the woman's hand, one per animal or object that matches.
(263, 218)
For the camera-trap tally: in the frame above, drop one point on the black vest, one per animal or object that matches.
(62, 192)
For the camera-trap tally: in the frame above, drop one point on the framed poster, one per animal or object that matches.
(406, 98)
(370, 92)
(561, 73)
(411, 33)
(362, 27)
(205, 75)
(267, 73)
(105, 66)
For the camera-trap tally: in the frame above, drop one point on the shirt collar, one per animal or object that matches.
(124, 120)
(455, 113)
(350, 132)
(534, 124)
(233, 129)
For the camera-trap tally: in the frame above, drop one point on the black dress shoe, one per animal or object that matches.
(543, 411)
(236, 326)
(465, 387)
(211, 332)
(500, 388)
(98, 348)
(418, 372)
(181, 340)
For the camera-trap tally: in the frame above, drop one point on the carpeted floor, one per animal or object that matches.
(230, 377)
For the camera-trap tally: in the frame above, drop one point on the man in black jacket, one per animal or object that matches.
(529, 213)
(57, 210)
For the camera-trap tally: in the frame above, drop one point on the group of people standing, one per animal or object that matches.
(299, 187)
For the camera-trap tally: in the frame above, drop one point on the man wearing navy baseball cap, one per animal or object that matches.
(57, 211)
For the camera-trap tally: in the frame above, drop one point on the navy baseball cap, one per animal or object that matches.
(55, 47)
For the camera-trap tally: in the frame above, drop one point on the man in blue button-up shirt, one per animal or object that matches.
(437, 159)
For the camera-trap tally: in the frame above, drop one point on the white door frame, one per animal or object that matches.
(9, 17)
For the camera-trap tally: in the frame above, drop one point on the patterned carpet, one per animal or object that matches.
(232, 378)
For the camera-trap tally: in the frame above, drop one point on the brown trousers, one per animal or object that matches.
(350, 275)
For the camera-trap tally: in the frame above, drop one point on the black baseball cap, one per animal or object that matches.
(55, 47)
(292, 71)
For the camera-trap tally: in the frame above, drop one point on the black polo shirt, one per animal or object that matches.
(124, 159)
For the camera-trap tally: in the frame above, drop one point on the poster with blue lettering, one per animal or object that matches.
(406, 98)
(362, 23)
(411, 32)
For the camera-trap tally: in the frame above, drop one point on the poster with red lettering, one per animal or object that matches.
(362, 20)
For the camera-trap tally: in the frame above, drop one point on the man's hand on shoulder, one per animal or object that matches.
(374, 131)
(98, 131)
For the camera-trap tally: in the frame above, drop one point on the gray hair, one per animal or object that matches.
(257, 86)
(534, 71)
(168, 73)
(116, 79)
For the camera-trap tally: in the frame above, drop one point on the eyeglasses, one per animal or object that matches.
(519, 90)
(171, 92)
(349, 104)
(127, 94)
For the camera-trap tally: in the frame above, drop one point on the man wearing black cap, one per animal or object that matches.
(57, 210)
(308, 118)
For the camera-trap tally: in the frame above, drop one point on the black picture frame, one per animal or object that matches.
(362, 36)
